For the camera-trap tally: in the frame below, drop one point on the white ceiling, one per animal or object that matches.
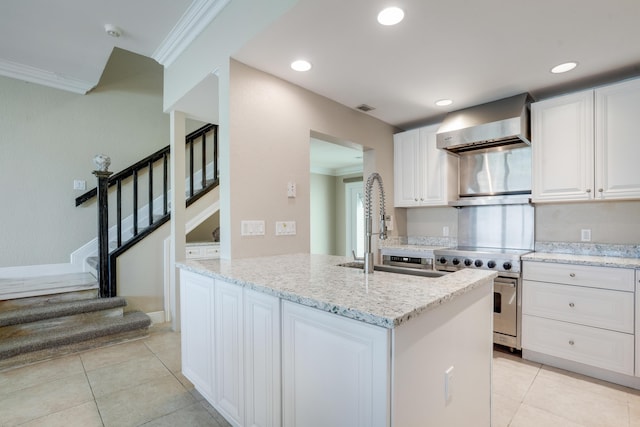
(63, 43)
(470, 51)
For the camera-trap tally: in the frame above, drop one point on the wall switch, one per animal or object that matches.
(445, 231)
(585, 235)
(291, 190)
(252, 228)
(448, 385)
(79, 184)
(285, 228)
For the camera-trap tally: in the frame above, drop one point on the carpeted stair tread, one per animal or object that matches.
(60, 309)
(130, 321)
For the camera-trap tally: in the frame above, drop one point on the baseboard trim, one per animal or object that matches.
(24, 271)
(157, 317)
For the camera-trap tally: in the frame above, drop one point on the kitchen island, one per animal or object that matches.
(298, 340)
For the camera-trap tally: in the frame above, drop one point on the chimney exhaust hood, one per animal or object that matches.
(493, 124)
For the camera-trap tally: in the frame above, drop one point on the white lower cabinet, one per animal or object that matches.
(196, 308)
(262, 360)
(230, 348)
(334, 370)
(583, 314)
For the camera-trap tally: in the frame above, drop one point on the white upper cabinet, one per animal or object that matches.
(584, 147)
(423, 175)
(618, 141)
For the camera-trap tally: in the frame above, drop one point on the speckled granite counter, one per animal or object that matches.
(595, 260)
(595, 254)
(382, 299)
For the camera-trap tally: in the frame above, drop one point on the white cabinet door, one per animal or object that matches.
(334, 370)
(423, 174)
(618, 141)
(228, 324)
(196, 307)
(562, 148)
(262, 359)
(405, 162)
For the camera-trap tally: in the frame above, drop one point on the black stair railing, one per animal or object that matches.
(130, 178)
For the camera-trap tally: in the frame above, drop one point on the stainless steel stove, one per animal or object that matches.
(495, 238)
(505, 261)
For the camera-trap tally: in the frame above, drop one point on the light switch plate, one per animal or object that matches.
(585, 235)
(79, 184)
(285, 228)
(291, 190)
(252, 228)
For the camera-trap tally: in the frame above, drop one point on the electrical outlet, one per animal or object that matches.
(585, 235)
(448, 385)
(388, 221)
(291, 190)
(445, 231)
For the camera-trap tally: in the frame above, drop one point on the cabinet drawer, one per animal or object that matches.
(194, 252)
(600, 308)
(592, 346)
(620, 279)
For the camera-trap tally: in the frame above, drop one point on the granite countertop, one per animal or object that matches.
(382, 299)
(578, 259)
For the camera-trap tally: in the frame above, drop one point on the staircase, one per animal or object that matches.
(40, 319)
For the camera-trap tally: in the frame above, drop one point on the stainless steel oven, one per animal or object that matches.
(505, 311)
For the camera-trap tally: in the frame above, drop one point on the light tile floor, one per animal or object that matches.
(139, 383)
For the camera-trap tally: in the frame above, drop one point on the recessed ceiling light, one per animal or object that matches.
(301, 65)
(563, 68)
(390, 16)
(443, 102)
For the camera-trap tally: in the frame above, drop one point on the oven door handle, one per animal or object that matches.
(512, 283)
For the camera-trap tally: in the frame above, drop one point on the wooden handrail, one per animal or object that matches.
(106, 260)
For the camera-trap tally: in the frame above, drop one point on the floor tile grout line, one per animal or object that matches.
(95, 401)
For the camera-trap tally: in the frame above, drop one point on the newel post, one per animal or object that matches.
(102, 163)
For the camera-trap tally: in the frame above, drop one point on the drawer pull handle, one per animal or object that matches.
(571, 342)
(571, 305)
(572, 274)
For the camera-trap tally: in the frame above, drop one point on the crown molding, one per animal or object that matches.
(43, 77)
(195, 19)
(347, 170)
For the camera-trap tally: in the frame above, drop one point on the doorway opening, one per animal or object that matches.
(336, 171)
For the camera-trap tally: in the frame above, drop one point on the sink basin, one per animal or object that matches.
(398, 270)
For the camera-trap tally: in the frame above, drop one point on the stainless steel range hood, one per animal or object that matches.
(493, 124)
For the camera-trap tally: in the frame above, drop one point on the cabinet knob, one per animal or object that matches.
(415, 200)
(571, 305)
(571, 342)
(572, 274)
(588, 190)
(600, 190)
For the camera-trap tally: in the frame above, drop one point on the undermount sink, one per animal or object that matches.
(398, 270)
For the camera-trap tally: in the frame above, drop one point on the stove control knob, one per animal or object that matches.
(455, 261)
(491, 264)
(467, 262)
(442, 260)
(507, 265)
(478, 263)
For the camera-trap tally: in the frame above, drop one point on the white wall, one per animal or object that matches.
(270, 122)
(49, 138)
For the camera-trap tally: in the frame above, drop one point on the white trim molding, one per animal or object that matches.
(200, 14)
(44, 77)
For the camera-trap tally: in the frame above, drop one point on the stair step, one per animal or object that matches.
(63, 313)
(132, 321)
(20, 292)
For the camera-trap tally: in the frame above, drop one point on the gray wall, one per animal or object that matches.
(49, 137)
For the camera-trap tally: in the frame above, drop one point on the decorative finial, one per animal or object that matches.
(102, 162)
